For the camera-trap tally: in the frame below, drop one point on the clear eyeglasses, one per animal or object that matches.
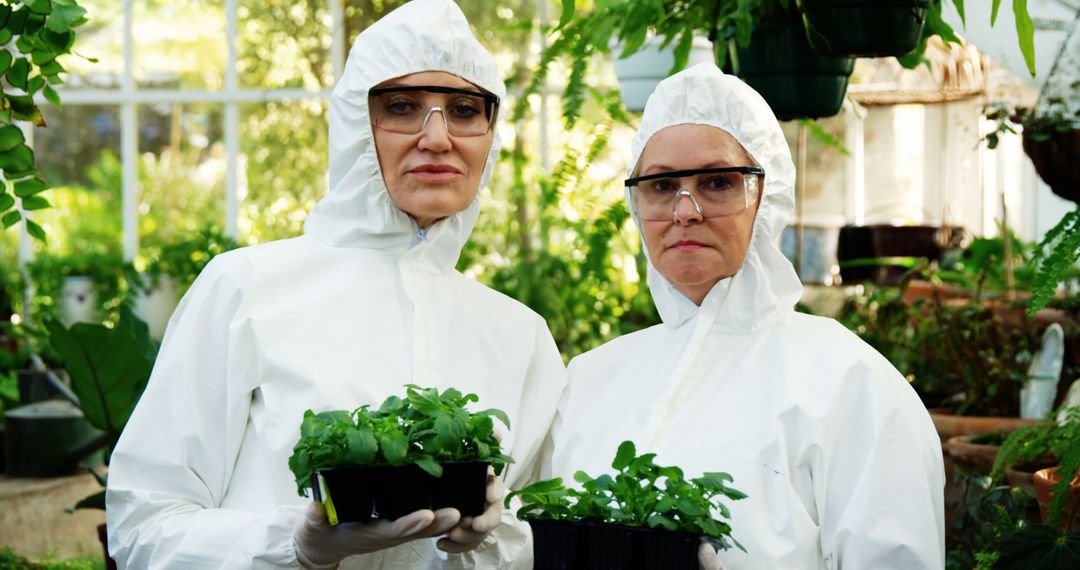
(406, 109)
(714, 192)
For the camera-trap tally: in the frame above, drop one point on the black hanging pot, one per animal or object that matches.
(1056, 156)
(794, 80)
(864, 28)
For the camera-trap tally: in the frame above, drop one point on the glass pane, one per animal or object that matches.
(284, 44)
(284, 152)
(79, 155)
(101, 38)
(180, 45)
(181, 171)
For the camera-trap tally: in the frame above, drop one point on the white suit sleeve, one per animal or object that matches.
(510, 544)
(883, 505)
(174, 462)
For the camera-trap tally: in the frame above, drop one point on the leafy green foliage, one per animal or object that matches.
(1040, 547)
(992, 515)
(635, 496)
(972, 357)
(9, 560)
(109, 367)
(1058, 438)
(425, 428)
(107, 271)
(186, 257)
(1057, 255)
(36, 33)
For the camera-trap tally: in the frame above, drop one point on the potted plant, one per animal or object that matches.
(643, 516)
(78, 287)
(170, 271)
(426, 451)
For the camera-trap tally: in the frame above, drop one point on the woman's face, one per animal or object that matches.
(431, 174)
(691, 251)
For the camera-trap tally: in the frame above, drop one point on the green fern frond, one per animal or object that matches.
(1056, 254)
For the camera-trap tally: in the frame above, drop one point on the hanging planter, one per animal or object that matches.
(639, 72)
(864, 28)
(155, 300)
(1054, 153)
(794, 80)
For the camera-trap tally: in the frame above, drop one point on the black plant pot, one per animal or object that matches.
(796, 81)
(864, 28)
(883, 241)
(1056, 157)
(567, 545)
(390, 492)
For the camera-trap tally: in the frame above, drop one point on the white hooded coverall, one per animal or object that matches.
(344, 315)
(839, 458)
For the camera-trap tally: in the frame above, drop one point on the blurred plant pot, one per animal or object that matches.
(795, 81)
(978, 456)
(864, 28)
(49, 439)
(356, 494)
(882, 249)
(1044, 480)
(156, 301)
(639, 72)
(1054, 154)
(78, 301)
(587, 544)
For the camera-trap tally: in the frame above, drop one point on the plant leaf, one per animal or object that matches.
(1025, 33)
(34, 203)
(624, 456)
(10, 136)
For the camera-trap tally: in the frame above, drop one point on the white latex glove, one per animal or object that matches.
(472, 530)
(319, 545)
(707, 558)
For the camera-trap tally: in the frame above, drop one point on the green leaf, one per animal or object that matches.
(994, 11)
(1025, 33)
(52, 68)
(17, 74)
(505, 419)
(6, 202)
(36, 82)
(11, 218)
(394, 447)
(624, 456)
(65, 15)
(18, 159)
(960, 10)
(5, 13)
(427, 463)
(108, 370)
(59, 42)
(34, 203)
(16, 23)
(5, 61)
(10, 137)
(567, 12)
(1040, 547)
(95, 501)
(362, 446)
(41, 6)
(35, 231)
(51, 95)
(24, 109)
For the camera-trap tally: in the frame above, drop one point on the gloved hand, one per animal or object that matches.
(472, 530)
(707, 558)
(319, 545)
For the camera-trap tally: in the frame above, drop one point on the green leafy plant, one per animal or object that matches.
(579, 35)
(107, 271)
(1060, 439)
(425, 428)
(109, 367)
(184, 259)
(642, 494)
(36, 33)
(992, 515)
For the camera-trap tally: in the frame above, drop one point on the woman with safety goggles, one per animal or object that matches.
(839, 459)
(367, 300)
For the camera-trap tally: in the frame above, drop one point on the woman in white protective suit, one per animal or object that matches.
(365, 301)
(838, 457)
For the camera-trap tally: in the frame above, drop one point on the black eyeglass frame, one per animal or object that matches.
(489, 98)
(630, 182)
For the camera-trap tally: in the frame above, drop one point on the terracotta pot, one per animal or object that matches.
(949, 425)
(978, 456)
(1044, 479)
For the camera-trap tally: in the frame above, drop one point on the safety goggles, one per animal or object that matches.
(714, 192)
(406, 109)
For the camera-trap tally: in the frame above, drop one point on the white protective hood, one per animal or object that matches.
(344, 315)
(839, 459)
(423, 35)
(766, 287)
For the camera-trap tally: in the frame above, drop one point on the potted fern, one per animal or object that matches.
(426, 451)
(644, 516)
